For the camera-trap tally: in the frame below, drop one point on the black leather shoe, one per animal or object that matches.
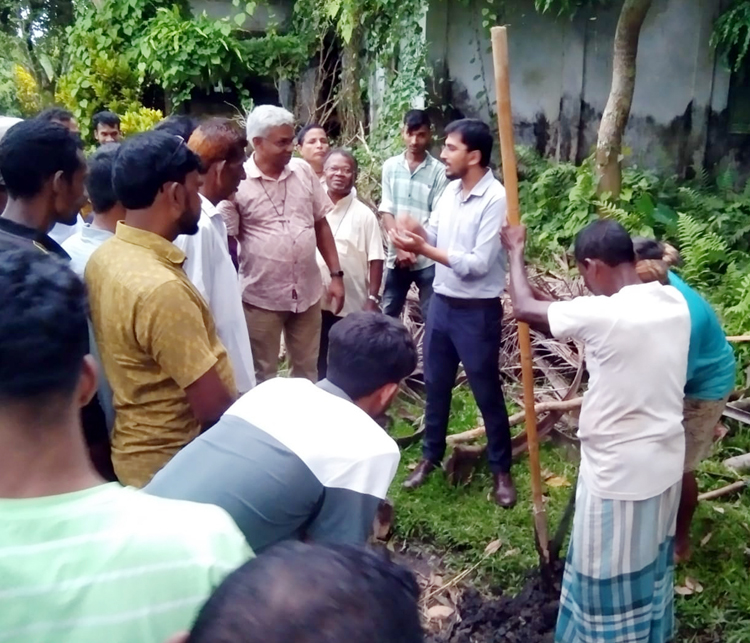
(504, 490)
(419, 475)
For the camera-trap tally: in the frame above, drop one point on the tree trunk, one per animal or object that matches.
(617, 111)
(351, 109)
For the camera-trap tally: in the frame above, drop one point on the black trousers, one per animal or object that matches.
(329, 319)
(466, 331)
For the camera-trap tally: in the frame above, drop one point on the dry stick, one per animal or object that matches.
(510, 178)
(724, 491)
(738, 338)
(517, 418)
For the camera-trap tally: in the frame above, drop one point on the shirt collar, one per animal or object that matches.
(344, 203)
(330, 387)
(208, 208)
(42, 241)
(150, 241)
(479, 189)
(253, 171)
(428, 159)
(95, 234)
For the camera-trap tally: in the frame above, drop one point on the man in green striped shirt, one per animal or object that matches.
(412, 183)
(82, 561)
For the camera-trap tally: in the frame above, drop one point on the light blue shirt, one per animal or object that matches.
(81, 245)
(469, 229)
(415, 193)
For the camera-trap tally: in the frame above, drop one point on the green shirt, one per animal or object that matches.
(109, 564)
(413, 192)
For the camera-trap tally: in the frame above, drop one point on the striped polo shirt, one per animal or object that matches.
(109, 564)
(289, 459)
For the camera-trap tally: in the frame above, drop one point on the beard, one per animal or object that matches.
(188, 222)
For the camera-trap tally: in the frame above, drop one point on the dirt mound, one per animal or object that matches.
(528, 617)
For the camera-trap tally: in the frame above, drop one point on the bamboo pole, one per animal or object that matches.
(510, 179)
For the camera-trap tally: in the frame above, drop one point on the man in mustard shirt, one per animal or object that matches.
(170, 375)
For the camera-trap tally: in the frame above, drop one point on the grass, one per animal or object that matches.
(458, 523)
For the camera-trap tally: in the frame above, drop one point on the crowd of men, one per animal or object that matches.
(148, 448)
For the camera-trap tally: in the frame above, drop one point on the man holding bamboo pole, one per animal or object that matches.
(463, 322)
(619, 576)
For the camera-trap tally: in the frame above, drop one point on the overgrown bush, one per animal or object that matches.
(707, 219)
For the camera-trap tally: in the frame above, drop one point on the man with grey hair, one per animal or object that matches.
(278, 218)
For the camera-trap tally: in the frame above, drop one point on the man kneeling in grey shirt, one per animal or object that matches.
(291, 459)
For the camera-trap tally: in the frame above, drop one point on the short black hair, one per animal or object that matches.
(476, 135)
(145, 162)
(645, 248)
(32, 151)
(416, 118)
(99, 180)
(181, 125)
(308, 128)
(106, 118)
(368, 350)
(55, 115)
(43, 327)
(606, 240)
(306, 593)
(340, 151)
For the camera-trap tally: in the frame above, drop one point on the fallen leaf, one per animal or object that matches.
(706, 538)
(435, 580)
(694, 585)
(546, 473)
(492, 547)
(683, 591)
(437, 612)
(412, 466)
(719, 510)
(390, 546)
(557, 481)
(512, 552)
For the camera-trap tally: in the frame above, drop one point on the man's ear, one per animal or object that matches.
(88, 381)
(386, 395)
(59, 183)
(175, 195)
(475, 157)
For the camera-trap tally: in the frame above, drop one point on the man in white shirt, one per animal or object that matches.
(619, 576)
(220, 144)
(107, 211)
(464, 318)
(359, 243)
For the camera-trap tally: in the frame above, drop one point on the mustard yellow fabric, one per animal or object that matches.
(156, 337)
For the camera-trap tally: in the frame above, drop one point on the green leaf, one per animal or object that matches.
(145, 49)
(250, 8)
(239, 19)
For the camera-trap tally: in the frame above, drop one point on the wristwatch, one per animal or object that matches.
(339, 273)
(375, 298)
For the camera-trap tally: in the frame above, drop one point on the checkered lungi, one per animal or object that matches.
(618, 584)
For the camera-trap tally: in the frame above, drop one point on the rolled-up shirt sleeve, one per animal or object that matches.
(477, 261)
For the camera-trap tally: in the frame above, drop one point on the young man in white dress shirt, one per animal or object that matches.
(463, 323)
(220, 144)
(359, 243)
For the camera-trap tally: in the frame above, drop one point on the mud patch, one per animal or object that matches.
(528, 617)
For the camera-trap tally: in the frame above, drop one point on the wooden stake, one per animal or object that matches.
(510, 180)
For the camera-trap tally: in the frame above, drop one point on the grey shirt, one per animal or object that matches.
(288, 460)
(469, 229)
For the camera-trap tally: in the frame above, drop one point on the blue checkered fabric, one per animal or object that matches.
(618, 585)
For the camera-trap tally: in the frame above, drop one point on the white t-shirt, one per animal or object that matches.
(632, 440)
(359, 241)
(210, 269)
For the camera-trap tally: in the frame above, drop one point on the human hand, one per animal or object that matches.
(404, 221)
(513, 238)
(372, 306)
(335, 294)
(405, 259)
(407, 241)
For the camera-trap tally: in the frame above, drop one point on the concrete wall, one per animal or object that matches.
(561, 74)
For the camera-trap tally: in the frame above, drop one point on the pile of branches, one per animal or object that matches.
(558, 369)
